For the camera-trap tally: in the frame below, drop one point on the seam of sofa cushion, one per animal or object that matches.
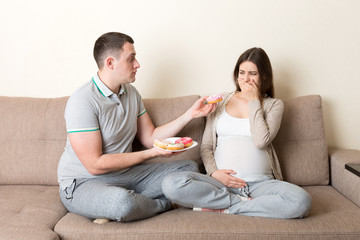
(31, 140)
(305, 141)
(104, 234)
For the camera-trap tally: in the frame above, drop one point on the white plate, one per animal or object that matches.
(173, 139)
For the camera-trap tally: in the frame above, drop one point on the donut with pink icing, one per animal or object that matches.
(187, 141)
(214, 98)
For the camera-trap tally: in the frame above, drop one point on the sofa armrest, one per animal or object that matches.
(344, 181)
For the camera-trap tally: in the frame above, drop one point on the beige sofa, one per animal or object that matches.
(32, 138)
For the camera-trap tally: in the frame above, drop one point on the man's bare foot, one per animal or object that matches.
(101, 220)
(209, 210)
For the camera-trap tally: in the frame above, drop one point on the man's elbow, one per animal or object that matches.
(147, 143)
(95, 170)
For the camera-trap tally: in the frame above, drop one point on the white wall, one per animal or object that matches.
(190, 47)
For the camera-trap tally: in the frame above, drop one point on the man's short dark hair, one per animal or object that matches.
(109, 44)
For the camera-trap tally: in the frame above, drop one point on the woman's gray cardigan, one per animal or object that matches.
(265, 120)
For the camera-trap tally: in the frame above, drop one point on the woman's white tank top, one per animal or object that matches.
(236, 150)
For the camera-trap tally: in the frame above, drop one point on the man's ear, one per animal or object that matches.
(109, 63)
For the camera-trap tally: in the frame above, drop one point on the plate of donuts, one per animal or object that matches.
(175, 144)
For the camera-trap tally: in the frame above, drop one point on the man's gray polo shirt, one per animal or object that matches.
(94, 107)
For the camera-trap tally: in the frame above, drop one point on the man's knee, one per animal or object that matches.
(188, 165)
(124, 206)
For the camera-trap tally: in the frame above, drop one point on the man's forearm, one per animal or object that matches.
(172, 128)
(118, 161)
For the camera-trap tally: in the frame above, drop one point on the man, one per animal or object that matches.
(99, 175)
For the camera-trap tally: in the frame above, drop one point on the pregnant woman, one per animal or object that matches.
(243, 172)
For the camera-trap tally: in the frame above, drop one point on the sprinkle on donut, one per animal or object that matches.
(214, 98)
(175, 146)
(161, 143)
(187, 141)
(179, 144)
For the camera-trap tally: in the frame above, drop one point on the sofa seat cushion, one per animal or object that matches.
(29, 212)
(332, 216)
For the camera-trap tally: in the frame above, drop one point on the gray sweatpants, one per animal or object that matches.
(271, 198)
(132, 195)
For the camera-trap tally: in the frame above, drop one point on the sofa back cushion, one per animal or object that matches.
(164, 110)
(300, 143)
(33, 135)
(32, 139)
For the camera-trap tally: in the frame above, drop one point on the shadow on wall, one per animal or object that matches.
(330, 130)
(284, 88)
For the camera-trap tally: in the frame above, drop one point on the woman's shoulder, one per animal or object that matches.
(220, 106)
(227, 94)
(273, 102)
